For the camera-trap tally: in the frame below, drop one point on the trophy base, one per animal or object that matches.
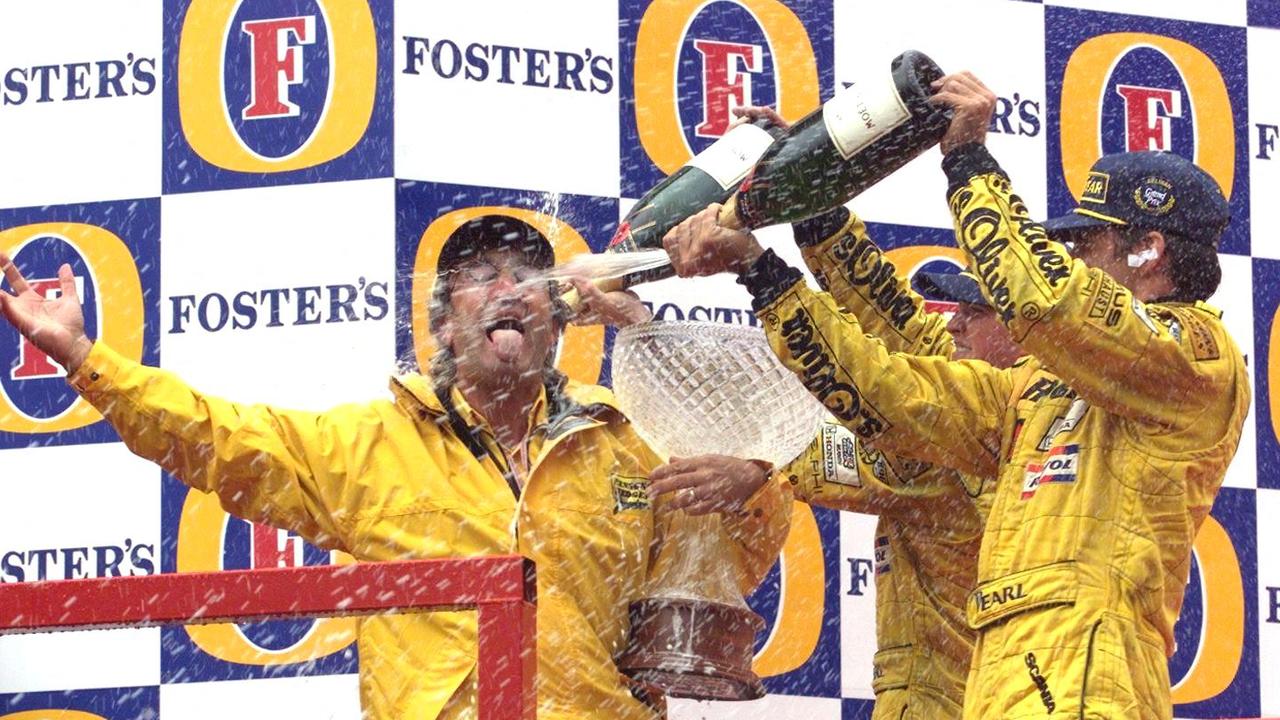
(690, 648)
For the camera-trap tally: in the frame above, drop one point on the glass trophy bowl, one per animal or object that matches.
(692, 388)
(698, 388)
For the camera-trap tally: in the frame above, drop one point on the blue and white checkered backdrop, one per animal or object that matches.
(246, 190)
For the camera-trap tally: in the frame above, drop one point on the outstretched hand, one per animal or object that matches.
(707, 483)
(973, 105)
(55, 326)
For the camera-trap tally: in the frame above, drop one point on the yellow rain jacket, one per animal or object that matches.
(1110, 444)
(388, 480)
(931, 517)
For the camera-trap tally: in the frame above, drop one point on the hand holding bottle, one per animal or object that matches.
(619, 308)
(754, 113)
(701, 246)
(973, 105)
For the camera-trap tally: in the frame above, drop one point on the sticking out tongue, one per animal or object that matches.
(506, 343)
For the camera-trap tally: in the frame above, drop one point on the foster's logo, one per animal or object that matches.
(1147, 108)
(696, 61)
(1210, 669)
(1128, 92)
(271, 87)
(208, 539)
(34, 395)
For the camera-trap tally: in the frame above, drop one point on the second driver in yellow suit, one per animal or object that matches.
(1110, 442)
(931, 518)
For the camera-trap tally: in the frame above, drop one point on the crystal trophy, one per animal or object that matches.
(696, 388)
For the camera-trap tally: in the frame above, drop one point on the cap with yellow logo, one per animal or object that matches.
(1156, 190)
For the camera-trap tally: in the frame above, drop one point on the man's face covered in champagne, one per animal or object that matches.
(500, 326)
(499, 322)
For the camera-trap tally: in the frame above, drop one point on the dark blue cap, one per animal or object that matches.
(949, 287)
(1156, 190)
(493, 232)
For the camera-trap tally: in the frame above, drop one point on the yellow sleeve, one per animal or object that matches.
(865, 283)
(950, 413)
(1150, 362)
(759, 529)
(840, 472)
(281, 468)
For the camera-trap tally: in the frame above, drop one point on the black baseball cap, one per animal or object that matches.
(1157, 190)
(494, 232)
(959, 287)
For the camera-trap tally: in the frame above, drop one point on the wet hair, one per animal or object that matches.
(443, 365)
(1194, 267)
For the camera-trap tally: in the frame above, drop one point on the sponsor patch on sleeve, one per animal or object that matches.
(630, 493)
(839, 456)
(1106, 299)
(1203, 345)
(882, 555)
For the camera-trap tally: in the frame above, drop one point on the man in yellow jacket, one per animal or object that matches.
(495, 452)
(1110, 441)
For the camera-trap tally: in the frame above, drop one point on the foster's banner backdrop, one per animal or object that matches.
(250, 192)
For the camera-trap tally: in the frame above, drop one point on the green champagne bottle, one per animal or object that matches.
(709, 177)
(857, 138)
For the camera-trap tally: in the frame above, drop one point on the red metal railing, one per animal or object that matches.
(501, 589)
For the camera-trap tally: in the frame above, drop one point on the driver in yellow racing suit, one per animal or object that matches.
(931, 518)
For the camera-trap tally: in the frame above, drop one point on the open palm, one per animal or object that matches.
(55, 326)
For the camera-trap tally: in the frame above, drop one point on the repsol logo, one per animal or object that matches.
(1047, 387)
(278, 307)
(1000, 596)
(586, 71)
(1016, 116)
(71, 563)
(87, 80)
(729, 315)
(819, 374)
(1041, 684)
(865, 266)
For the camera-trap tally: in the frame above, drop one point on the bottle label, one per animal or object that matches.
(863, 113)
(730, 158)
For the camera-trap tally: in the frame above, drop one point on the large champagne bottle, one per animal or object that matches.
(853, 141)
(709, 177)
